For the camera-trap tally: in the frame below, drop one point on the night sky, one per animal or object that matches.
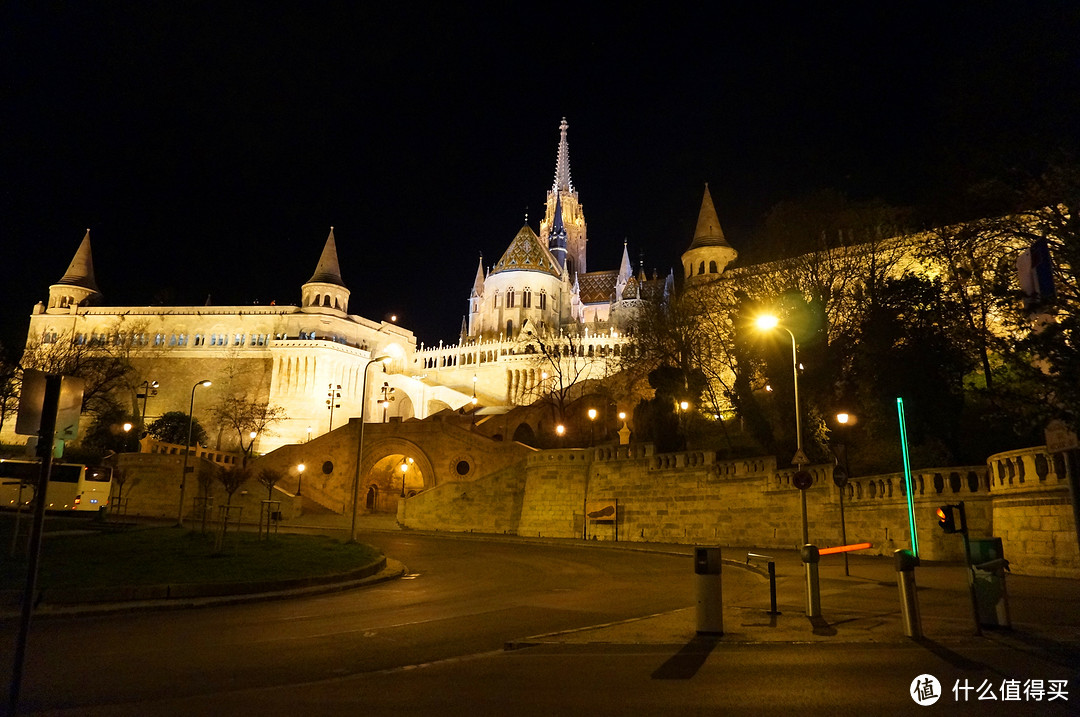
(210, 146)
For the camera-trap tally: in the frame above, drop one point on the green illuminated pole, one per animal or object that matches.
(907, 477)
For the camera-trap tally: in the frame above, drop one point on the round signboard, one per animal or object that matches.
(802, 480)
(839, 477)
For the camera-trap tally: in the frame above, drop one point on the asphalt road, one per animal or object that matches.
(432, 644)
(462, 597)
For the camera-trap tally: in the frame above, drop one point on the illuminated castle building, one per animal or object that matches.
(310, 359)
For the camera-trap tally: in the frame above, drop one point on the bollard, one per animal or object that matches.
(772, 580)
(906, 562)
(772, 589)
(710, 598)
(810, 558)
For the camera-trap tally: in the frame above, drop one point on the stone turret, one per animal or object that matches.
(709, 253)
(77, 287)
(325, 289)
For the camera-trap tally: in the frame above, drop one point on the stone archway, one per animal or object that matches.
(393, 467)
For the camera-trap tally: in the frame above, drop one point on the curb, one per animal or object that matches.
(159, 597)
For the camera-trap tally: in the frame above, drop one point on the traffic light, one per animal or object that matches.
(946, 518)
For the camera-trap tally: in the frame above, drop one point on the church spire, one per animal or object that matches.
(478, 282)
(328, 271)
(563, 183)
(557, 240)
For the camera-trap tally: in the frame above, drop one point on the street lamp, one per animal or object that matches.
(145, 386)
(360, 444)
(404, 469)
(841, 476)
(474, 389)
(187, 451)
(768, 322)
(299, 477)
(333, 398)
(592, 427)
(387, 397)
(560, 431)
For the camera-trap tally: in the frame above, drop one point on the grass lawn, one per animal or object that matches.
(150, 556)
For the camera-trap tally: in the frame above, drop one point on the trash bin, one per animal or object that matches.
(710, 596)
(987, 577)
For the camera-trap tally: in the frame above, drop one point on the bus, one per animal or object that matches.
(72, 486)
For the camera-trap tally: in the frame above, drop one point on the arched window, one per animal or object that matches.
(712, 267)
(701, 267)
(526, 298)
(510, 298)
(543, 300)
(510, 329)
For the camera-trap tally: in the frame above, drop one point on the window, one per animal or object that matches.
(701, 268)
(510, 298)
(543, 300)
(159, 339)
(200, 339)
(712, 267)
(181, 340)
(238, 340)
(526, 298)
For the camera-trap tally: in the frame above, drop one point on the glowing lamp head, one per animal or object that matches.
(128, 427)
(592, 414)
(766, 322)
(560, 429)
(683, 405)
(300, 468)
(842, 418)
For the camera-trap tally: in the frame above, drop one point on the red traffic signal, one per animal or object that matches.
(946, 518)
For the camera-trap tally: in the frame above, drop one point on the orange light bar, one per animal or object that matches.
(844, 548)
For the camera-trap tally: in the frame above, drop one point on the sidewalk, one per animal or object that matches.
(861, 607)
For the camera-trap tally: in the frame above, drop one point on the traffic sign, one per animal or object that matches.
(802, 480)
(800, 458)
(839, 477)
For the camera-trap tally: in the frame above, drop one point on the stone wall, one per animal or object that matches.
(1033, 510)
(152, 489)
(491, 504)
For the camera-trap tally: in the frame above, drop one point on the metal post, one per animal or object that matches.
(810, 558)
(772, 589)
(906, 562)
(46, 436)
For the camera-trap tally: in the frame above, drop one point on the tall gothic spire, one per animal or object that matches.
(478, 282)
(562, 162)
(80, 271)
(557, 240)
(328, 271)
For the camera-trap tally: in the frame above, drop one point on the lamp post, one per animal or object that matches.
(333, 396)
(767, 322)
(299, 477)
(841, 477)
(560, 431)
(474, 390)
(592, 427)
(187, 451)
(404, 470)
(145, 386)
(387, 397)
(252, 435)
(360, 445)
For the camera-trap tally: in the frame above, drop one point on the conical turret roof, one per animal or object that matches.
(708, 232)
(328, 271)
(81, 270)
